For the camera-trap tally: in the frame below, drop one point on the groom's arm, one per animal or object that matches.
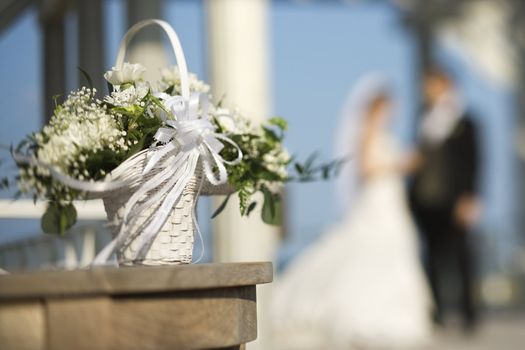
(467, 208)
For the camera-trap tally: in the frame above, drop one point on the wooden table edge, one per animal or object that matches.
(133, 280)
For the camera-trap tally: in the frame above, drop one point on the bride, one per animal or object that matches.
(361, 285)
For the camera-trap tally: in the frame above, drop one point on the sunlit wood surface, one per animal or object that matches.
(206, 306)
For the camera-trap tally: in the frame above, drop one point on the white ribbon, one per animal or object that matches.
(120, 176)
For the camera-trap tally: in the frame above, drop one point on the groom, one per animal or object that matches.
(443, 191)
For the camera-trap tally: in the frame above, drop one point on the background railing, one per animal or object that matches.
(75, 249)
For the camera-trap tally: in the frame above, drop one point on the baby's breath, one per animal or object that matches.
(78, 126)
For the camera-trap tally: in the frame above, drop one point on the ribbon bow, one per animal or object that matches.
(176, 152)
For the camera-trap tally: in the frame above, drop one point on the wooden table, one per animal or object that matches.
(207, 306)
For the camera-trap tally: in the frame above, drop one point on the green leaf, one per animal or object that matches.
(244, 196)
(136, 147)
(25, 142)
(339, 164)
(221, 207)
(58, 218)
(221, 101)
(169, 90)
(87, 77)
(156, 101)
(133, 111)
(55, 99)
(279, 122)
(251, 207)
(326, 172)
(310, 160)
(126, 86)
(268, 200)
(272, 208)
(270, 134)
(299, 168)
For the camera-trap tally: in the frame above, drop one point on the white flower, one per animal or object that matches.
(232, 121)
(171, 76)
(277, 160)
(129, 73)
(79, 125)
(129, 96)
(226, 121)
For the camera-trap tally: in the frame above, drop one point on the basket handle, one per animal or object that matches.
(175, 44)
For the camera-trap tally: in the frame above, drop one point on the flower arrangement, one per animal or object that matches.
(87, 138)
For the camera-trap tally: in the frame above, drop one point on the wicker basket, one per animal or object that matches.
(212, 190)
(174, 242)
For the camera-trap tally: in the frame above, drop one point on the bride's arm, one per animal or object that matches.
(369, 166)
(411, 162)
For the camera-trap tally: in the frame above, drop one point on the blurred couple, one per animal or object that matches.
(362, 285)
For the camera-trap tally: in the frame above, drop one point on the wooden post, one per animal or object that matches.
(91, 42)
(10, 10)
(52, 22)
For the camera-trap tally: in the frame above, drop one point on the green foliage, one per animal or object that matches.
(251, 207)
(221, 207)
(312, 170)
(133, 111)
(255, 173)
(272, 212)
(55, 99)
(4, 181)
(58, 218)
(88, 79)
(279, 122)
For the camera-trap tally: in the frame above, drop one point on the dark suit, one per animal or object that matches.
(449, 171)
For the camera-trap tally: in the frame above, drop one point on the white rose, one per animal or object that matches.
(226, 121)
(129, 73)
(170, 74)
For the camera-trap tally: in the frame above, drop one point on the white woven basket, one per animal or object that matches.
(209, 189)
(172, 245)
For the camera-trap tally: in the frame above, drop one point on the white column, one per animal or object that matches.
(88, 246)
(147, 47)
(238, 42)
(70, 253)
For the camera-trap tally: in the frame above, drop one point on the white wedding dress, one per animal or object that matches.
(361, 285)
